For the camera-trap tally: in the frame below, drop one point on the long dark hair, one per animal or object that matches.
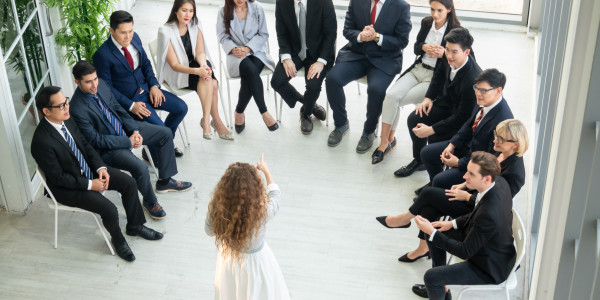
(228, 14)
(451, 18)
(177, 5)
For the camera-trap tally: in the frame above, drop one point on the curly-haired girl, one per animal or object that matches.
(237, 215)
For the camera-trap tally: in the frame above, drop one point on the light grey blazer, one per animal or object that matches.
(254, 35)
(169, 33)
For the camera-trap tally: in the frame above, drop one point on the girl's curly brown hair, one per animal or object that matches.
(238, 208)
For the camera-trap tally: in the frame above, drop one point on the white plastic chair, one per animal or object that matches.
(57, 206)
(520, 236)
(265, 72)
(150, 160)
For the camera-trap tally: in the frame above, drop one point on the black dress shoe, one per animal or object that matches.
(123, 251)
(421, 290)
(306, 124)
(407, 170)
(144, 232)
(419, 190)
(273, 127)
(319, 112)
(178, 152)
(384, 223)
(377, 157)
(240, 128)
(405, 258)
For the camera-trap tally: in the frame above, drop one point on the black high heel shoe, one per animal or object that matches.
(404, 258)
(273, 127)
(240, 128)
(382, 221)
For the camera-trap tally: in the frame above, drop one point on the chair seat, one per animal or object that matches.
(178, 92)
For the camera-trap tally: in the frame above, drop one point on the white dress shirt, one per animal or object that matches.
(58, 128)
(486, 109)
(434, 37)
(453, 71)
(285, 56)
(377, 11)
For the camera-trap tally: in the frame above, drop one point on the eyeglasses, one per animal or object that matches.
(482, 91)
(501, 140)
(62, 105)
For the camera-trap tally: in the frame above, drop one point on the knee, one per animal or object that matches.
(276, 83)
(139, 171)
(376, 90)
(412, 120)
(313, 85)
(333, 79)
(429, 278)
(165, 132)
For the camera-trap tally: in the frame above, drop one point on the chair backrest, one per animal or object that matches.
(153, 46)
(42, 177)
(520, 236)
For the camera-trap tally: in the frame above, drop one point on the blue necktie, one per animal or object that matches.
(114, 122)
(84, 166)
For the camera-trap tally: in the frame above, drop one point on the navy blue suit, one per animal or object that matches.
(112, 66)
(466, 141)
(379, 63)
(114, 149)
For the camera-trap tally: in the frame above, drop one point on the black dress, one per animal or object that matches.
(193, 78)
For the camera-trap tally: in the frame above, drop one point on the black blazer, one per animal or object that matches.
(321, 29)
(54, 156)
(482, 139)
(487, 241)
(393, 23)
(93, 124)
(457, 96)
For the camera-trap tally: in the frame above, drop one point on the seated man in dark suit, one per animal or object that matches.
(377, 31)
(476, 134)
(306, 33)
(76, 174)
(113, 133)
(483, 237)
(449, 99)
(124, 65)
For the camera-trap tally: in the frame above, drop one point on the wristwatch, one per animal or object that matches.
(377, 38)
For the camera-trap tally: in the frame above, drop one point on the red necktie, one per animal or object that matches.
(128, 57)
(478, 119)
(374, 12)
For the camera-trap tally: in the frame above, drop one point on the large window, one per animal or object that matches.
(512, 7)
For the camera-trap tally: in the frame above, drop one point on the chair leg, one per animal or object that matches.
(327, 115)
(225, 111)
(151, 160)
(358, 87)
(229, 100)
(506, 292)
(277, 110)
(55, 227)
(461, 293)
(280, 109)
(183, 132)
(103, 234)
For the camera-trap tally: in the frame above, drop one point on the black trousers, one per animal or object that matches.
(281, 84)
(435, 115)
(430, 156)
(97, 203)
(251, 85)
(433, 203)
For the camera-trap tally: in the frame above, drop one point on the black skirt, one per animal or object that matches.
(193, 78)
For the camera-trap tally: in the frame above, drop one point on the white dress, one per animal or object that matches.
(257, 275)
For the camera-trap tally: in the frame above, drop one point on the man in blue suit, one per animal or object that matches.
(377, 31)
(477, 134)
(123, 64)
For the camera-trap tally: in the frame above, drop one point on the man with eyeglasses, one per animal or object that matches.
(476, 134)
(449, 99)
(76, 174)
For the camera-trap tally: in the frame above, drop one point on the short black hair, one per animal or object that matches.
(82, 68)
(119, 17)
(460, 36)
(42, 99)
(493, 77)
(488, 164)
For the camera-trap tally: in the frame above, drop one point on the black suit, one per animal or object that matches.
(484, 239)
(63, 175)
(379, 63)
(114, 149)
(321, 31)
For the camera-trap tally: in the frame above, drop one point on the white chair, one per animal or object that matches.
(53, 204)
(520, 236)
(150, 160)
(265, 72)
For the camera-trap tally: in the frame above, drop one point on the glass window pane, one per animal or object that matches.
(513, 7)
(24, 10)
(19, 88)
(27, 128)
(34, 50)
(8, 31)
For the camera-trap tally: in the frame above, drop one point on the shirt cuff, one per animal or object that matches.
(358, 38)
(89, 185)
(432, 234)
(380, 40)
(322, 60)
(454, 224)
(272, 187)
(131, 107)
(285, 56)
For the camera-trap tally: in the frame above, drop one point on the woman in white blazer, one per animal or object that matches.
(184, 63)
(242, 31)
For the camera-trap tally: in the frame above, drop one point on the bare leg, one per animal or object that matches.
(268, 119)
(214, 109)
(421, 250)
(391, 136)
(399, 220)
(205, 92)
(385, 131)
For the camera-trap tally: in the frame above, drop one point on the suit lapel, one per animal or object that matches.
(460, 74)
(382, 13)
(235, 29)
(120, 57)
(58, 137)
(488, 117)
(365, 13)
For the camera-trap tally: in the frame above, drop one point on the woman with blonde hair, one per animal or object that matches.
(510, 143)
(237, 216)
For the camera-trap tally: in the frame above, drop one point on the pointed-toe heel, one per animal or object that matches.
(381, 220)
(404, 258)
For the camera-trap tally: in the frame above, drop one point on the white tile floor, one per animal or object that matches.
(326, 239)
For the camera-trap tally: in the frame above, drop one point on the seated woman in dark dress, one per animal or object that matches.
(510, 142)
(184, 63)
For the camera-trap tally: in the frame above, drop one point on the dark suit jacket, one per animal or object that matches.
(457, 96)
(513, 171)
(93, 124)
(54, 156)
(321, 29)
(487, 235)
(482, 139)
(393, 23)
(112, 66)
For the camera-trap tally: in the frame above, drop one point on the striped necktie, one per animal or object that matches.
(82, 164)
(478, 119)
(114, 122)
